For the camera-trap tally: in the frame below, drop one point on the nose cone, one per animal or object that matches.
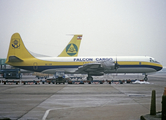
(160, 67)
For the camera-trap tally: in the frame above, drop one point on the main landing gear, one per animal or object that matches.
(90, 78)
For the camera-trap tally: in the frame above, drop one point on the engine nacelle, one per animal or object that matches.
(109, 65)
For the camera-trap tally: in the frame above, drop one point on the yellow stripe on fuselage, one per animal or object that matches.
(138, 63)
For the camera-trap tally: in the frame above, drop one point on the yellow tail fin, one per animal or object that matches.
(17, 51)
(72, 48)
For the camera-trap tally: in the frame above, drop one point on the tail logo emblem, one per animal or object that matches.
(16, 43)
(71, 49)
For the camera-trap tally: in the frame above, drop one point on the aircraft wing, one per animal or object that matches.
(92, 68)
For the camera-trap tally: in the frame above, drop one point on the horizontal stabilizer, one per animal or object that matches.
(14, 59)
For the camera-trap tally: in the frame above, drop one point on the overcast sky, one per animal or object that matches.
(109, 27)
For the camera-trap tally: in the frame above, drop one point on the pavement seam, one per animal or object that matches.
(131, 98)
(39, 103)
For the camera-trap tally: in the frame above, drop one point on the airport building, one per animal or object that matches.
(2, 63)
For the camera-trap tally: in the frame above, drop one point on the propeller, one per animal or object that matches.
(116, 66)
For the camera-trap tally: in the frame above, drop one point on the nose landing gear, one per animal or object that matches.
(146, 77)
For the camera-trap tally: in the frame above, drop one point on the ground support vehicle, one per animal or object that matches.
(56, 80)
(11, 73)
(60, 80)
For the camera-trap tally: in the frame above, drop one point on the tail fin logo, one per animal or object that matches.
(16, 43)
(71, 49)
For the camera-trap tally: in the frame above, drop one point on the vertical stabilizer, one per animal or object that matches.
(72, 48)
(17, 51)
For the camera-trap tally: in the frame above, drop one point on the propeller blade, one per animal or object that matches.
(116, 66)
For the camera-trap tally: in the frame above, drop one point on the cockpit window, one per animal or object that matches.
(153, 61)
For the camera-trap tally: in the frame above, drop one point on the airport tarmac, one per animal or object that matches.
(83, 102)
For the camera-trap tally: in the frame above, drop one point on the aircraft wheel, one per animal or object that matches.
(146, 78)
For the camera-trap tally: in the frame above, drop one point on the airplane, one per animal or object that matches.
(18, 56)
(72, 48)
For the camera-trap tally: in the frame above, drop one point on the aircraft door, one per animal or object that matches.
(35, 66)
